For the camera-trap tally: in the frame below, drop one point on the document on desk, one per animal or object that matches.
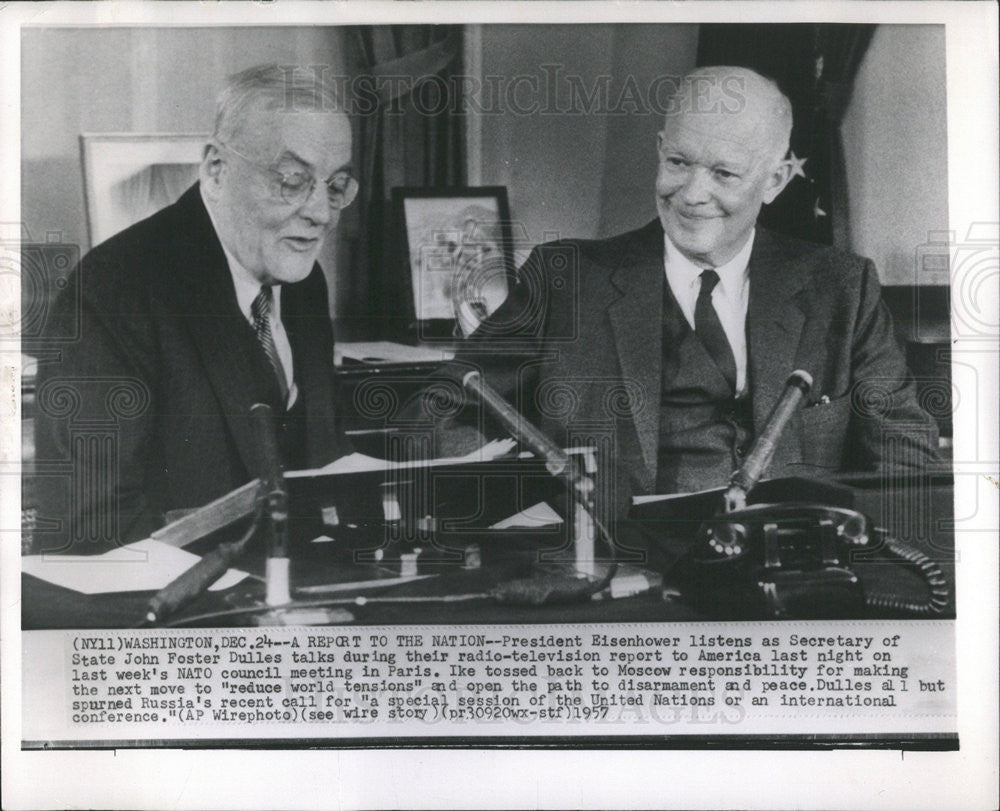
(652, 498)
(535, 516)
(359, 463)
(146, 565)
(376, 352)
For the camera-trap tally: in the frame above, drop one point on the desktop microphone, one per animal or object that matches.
(273, 497)
(274, 494)
(759, 458)
(557, 461)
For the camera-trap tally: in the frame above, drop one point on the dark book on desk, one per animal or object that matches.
(695, 507)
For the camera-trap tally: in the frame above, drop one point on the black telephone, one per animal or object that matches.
(791, 560)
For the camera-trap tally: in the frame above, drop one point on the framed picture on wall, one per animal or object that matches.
(128, 176)
(456, 244)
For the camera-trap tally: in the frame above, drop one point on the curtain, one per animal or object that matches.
(815, 65)
(409, 133)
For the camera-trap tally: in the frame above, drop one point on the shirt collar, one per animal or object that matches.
(246, 285)
(732, 275)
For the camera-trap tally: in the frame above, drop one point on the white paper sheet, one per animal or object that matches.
(537, 515)
(146, 565)
(637, 500)
(359, 463)
(389, 352)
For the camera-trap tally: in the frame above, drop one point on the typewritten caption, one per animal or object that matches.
(556, 680)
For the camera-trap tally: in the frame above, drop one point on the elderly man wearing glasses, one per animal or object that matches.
(188, 318)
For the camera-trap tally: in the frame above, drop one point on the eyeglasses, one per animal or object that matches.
(295, 188)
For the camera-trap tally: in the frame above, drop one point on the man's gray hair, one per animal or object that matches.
(272, 87)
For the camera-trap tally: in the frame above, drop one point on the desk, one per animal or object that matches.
(925, 511)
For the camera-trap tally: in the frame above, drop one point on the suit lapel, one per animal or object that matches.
(637, 326)
(775, 318)
(221, 334)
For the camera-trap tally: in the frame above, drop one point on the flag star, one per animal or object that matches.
(817, 211)
(797, 164)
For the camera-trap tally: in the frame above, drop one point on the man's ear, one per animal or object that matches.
(777, 181)
(210, 171)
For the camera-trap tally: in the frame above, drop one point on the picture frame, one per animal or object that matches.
(456, 251)
(129, 176)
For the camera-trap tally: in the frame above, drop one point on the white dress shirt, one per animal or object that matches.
(247, 289)
(730, 297)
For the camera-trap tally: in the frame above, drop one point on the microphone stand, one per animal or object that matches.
(759, 459)
(557, 462)
(272, 498)
(271, 508)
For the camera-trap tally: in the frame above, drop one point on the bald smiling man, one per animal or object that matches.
(670, 345)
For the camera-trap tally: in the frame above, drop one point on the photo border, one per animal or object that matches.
(544, 778)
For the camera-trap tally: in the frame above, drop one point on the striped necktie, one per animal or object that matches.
(708, 328)
(261, 311)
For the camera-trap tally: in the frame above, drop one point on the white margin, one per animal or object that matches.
(447, 778)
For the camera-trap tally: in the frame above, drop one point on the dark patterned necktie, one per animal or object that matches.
(261, 311)
(709, 329)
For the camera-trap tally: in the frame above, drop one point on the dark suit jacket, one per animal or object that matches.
(148, 410)
(578, 348)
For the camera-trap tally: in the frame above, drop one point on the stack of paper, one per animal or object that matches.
(389, 352)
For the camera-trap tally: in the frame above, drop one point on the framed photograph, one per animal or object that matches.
(457, 248)
(129, 176)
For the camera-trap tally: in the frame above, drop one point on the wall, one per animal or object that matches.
(590, 175)
(586, 174)
(630, 159)
(895, 139)
(580, 174)
(129, 80)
